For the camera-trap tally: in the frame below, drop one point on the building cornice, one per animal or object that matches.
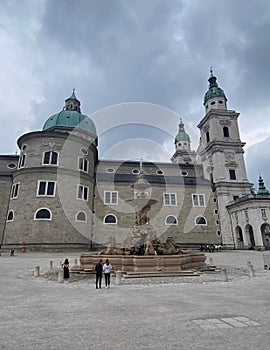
(214, 113)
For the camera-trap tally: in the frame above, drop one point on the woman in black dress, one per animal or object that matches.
(66, 269)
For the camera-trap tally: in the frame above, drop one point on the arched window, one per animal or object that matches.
(10, 216)
(81, 216)
(200, 220)
(50, 157)
(83, 164)
(110, 219)
(171, 220)
(207, 136)
(43, 214)
(226, 131)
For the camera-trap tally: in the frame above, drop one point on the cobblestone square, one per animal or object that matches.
(173, 313)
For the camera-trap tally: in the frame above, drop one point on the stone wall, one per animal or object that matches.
(63, 228)
(8, 166)
(185, 231)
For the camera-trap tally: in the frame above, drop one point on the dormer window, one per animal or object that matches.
(213, 103)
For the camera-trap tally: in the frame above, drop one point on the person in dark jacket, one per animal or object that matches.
(66, 269)
(99, 270)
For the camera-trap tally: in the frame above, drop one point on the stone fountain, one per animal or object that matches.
(142, 251)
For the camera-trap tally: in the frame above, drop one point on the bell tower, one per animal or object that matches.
(221, 154)
(183, 153)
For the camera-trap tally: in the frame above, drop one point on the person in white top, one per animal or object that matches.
(107, 268)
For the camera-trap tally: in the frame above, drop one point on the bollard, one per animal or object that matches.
(210, 261)
(36, 273)
(60, 278)
(250, 271)
(224, 275)
(118, 278)
(51, 264)
(266, 261)
(75, 261)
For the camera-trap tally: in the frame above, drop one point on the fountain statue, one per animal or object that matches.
(142, 250)
(142, 238)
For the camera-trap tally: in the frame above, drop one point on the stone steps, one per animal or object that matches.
(160, 274)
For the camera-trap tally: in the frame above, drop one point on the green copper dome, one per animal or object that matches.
(182, 135)
(214, 90)
(71, 117)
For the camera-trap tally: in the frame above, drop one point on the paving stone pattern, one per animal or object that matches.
(226, 322)
(174, 314)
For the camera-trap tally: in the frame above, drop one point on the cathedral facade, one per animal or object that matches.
(57, 194)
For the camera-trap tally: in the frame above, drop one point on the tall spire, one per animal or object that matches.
(214, 90)
(182, 135)
(212, 80)
(262, 189)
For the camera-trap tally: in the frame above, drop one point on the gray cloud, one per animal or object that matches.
(122, 51)
(257, 157)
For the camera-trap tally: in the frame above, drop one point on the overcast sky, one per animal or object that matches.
(155, 52)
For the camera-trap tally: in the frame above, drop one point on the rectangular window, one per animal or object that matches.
(46, 159)
(54, 157)
(21, 163)
(110, 197)
(42, 188)
(83, 164)
(263, 212)
(198, 200)
(169, 199)
(232, 174)
(50, 188)
(15, 191)
(46, 188)
(83, 192)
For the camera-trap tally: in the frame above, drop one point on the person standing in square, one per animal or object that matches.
(99, 269)
(66, 269)
(107, 268)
